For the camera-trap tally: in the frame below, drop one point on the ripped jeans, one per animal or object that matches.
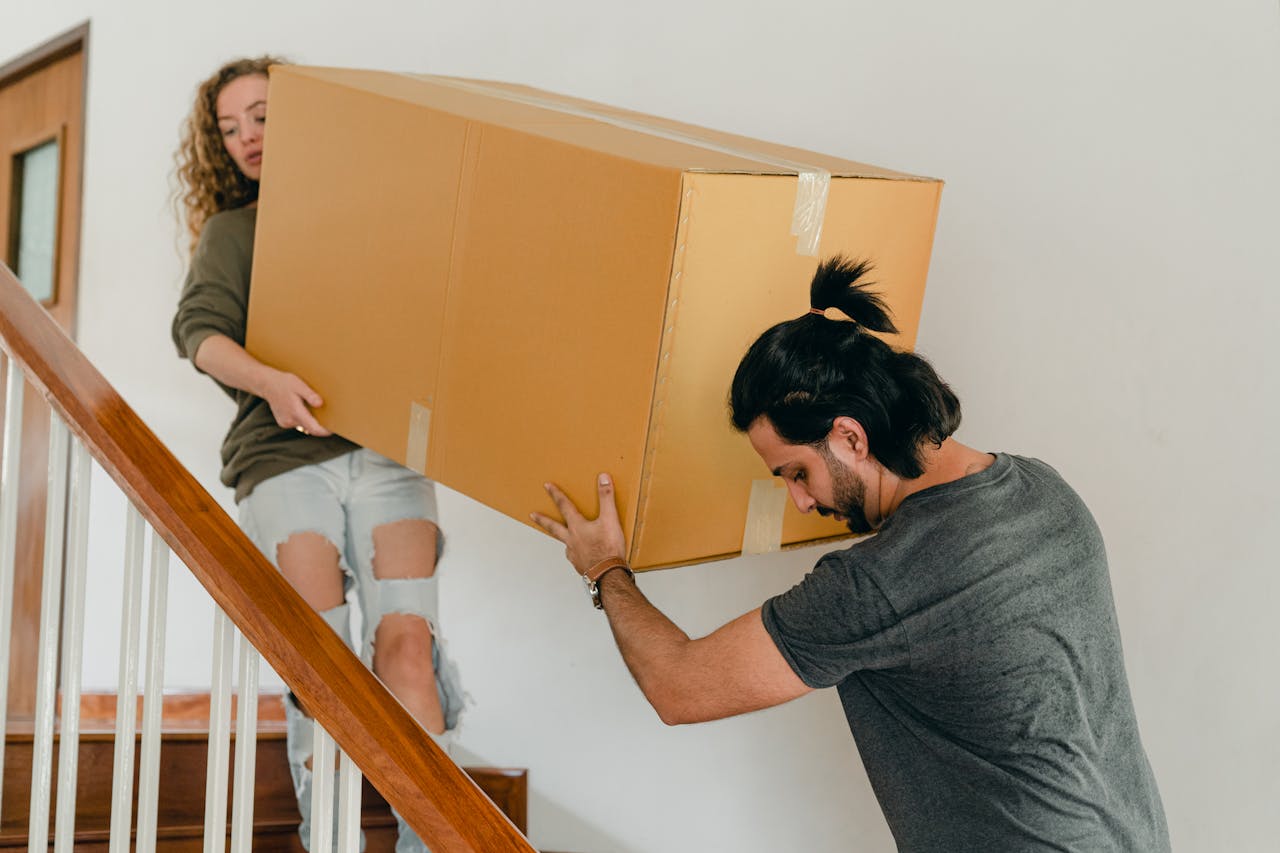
(344, 500)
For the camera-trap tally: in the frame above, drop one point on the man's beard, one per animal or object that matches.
(848, 491)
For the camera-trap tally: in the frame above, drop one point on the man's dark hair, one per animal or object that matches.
(804, 373)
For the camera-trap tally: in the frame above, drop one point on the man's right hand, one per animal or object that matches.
(586, 542)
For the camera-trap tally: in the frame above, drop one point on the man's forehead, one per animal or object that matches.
(779, 455)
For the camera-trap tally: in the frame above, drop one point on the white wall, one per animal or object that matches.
(1103, 295)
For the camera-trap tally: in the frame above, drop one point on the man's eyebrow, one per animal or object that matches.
(252, 106)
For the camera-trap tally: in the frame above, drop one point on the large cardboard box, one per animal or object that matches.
(499, 287)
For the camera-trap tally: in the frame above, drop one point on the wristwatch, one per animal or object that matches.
(591, 577)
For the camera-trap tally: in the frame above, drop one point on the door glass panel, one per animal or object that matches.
(35, 242)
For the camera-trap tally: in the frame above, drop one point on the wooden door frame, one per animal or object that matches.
(25, 624)
(58, 48)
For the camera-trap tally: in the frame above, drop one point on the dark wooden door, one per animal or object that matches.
(41, 145)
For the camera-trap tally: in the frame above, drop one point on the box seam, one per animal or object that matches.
(657, 410)
(462, 207)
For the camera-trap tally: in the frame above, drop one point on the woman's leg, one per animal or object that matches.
(394, 547)
(310, 562)
(296, 520)
(402, 641)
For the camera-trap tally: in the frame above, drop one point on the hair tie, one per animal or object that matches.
(818, 311)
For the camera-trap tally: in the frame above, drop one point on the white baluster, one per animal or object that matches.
(215, 794)
(10, 462)
(153, 697)
(127, 684)
(349, 778)
(47, 669)
(73, 645)
(321, 788)
(246, 749)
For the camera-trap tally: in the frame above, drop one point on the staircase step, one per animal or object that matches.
(183, 758)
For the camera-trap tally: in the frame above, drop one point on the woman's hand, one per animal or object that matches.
(291, 401)
(586, 542)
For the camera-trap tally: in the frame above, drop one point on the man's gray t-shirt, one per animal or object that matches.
(974, 645)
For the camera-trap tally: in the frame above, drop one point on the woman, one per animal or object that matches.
(330, 515)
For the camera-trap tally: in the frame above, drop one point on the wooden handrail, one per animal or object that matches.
(396, 755)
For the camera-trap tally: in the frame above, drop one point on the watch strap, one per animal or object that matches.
(591, 577)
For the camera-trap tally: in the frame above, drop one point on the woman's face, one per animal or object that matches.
(242, 120)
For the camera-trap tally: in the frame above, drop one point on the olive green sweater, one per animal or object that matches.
(215, 300)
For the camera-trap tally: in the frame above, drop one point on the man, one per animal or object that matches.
(973, 640)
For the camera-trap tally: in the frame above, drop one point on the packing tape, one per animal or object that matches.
(813, 183)
(763, 531)
(415, 454)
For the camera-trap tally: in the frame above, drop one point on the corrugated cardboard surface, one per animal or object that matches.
(730, 289)
(556, 296)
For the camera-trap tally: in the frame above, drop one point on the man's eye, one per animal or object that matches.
(798, 476)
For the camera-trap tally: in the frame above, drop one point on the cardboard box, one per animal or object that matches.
(499, 287)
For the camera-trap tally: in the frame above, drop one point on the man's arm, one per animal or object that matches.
(733, 670)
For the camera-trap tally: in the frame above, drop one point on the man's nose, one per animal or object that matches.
(800, 496)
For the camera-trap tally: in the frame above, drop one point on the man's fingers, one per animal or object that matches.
(608, 504)
(550, 525)
(566, 506)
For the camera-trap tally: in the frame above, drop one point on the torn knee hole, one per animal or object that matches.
(405, 549)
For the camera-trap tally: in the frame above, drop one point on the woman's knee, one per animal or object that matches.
(405, 549)
(402, 645)
(310, 562)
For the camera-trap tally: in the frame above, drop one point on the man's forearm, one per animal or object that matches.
(652, 646)
(733, 670)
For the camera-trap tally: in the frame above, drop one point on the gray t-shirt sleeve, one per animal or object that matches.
(835, 622)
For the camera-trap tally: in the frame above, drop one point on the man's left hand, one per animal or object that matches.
(586, 543)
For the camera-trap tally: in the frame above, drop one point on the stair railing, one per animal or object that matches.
(255, 607)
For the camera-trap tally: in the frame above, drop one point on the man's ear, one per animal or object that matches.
(847, 432)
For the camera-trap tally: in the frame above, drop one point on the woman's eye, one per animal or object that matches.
(228, 131)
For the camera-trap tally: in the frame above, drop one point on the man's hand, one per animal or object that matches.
(586, 542)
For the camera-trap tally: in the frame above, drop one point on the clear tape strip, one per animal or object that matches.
(419, 433)
(812, 186)
(762, 533)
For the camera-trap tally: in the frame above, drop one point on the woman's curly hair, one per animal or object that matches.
(208, 179)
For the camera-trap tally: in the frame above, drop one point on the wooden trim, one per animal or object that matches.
(177, 710)
(435, 796)
(46, 54)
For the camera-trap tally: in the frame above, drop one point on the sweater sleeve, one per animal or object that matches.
(215, 296)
